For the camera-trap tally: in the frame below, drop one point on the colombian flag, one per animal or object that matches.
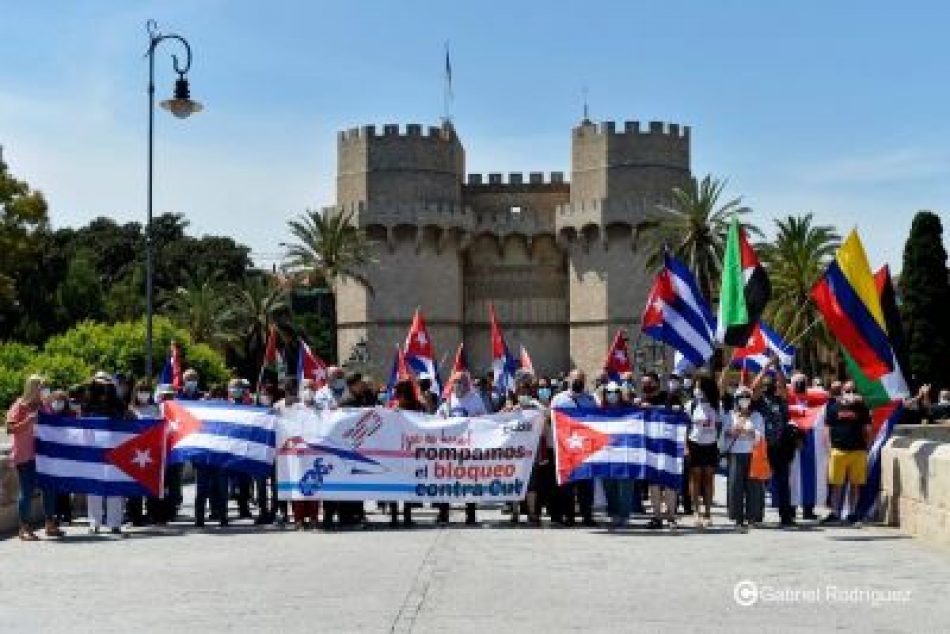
(848, 299)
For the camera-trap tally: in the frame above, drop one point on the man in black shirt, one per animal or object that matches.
(847, 430)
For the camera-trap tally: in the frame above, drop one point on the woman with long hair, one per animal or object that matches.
(701, 446)
(21, 419)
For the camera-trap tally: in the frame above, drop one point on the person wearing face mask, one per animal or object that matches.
(618, 491)
(701, 446)
(104, 401)
(308, 395)
(190, 390)
(358, 394)
(334, 392)
(67, 404)
(20, 421)
(800, 399)
(941, 409)
(581, 493)
(464, 400)
(663, 500)
(742, 427)
(780, 437)
(676, 397)
(143, 406)
(847, 435)
(526, 400)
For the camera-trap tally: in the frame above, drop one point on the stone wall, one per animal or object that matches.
(9, 490)
(915, 482)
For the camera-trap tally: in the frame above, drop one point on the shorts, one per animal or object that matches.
(703, 455)
(850, 465)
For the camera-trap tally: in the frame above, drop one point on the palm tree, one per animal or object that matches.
(795, 260)
(204, 307)
(259, 303)
(329, 249)
(694, 228)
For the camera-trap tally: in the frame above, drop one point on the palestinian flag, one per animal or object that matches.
(744, 292)
(273, 365)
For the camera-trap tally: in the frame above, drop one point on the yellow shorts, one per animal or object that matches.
(847, 465)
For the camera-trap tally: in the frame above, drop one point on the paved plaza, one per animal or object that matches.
(458, 579)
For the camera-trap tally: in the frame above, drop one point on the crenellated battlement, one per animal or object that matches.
(603, 212)
(395, 130)
(515, 179)
(633, 128)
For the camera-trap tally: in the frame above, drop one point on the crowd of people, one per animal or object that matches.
(727, 421)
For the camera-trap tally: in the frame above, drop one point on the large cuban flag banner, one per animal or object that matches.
(100, 456)
(389, 454)
(625, 443)
(234, 437)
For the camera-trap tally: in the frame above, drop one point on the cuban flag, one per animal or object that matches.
(101, 456)
(625, 443)
(678, 315)
(808, 473)
(234, 437)
(420, 353)
(503, 363)
(310, 366)
(171, 372)
(618, 357)
(762, 344)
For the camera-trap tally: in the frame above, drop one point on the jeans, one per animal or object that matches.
(26, 472)
(211, 487)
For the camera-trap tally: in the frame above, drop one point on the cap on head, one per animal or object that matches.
(190, 374)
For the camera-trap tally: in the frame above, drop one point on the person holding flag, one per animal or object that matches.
(504, 365)
(420, 358)
(617, 363)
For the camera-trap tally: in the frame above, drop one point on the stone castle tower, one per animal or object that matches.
(555, 258)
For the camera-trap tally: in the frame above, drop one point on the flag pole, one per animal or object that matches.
(805, 332)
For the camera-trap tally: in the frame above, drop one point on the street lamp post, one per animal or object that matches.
(182, 106)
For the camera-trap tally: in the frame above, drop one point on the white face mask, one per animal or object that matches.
(613, 397)
(142, 398)
(674, 385)
(687, 384)
(307, 396)
(58, 406)
(698, 394)
(744, 402)
(266, 401)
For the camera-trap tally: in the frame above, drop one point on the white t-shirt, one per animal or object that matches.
(471, 404)
(703, 418)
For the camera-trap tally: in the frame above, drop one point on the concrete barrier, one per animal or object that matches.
(915, 482)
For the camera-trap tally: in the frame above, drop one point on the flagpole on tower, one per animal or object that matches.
(447, 93)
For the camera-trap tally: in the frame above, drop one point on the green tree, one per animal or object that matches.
(329, 248)
(204, 307)
(80, 293)
(259, 304)
(795, 260)
(23, 215)
(694, 228)
(925, 301)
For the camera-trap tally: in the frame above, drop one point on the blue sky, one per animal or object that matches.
(838, 108)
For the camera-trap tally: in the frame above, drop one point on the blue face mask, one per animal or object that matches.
(544, 393)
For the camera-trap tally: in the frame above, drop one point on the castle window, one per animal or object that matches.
(515, 209)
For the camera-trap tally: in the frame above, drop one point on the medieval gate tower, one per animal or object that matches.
(555, 258)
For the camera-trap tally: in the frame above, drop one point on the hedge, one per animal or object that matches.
(78, 353)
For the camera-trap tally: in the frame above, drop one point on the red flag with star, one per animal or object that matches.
(618, 357)
(575, 442)
(142, 457)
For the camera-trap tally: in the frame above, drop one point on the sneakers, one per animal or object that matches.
(655, 523)
(854, 522)
(118, 532)
(831, 518)
(52, 530)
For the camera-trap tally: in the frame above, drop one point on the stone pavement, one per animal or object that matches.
(493, 578)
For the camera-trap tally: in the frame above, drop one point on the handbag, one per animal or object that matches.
(759, 468)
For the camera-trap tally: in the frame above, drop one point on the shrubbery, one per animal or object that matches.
(76, 354)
